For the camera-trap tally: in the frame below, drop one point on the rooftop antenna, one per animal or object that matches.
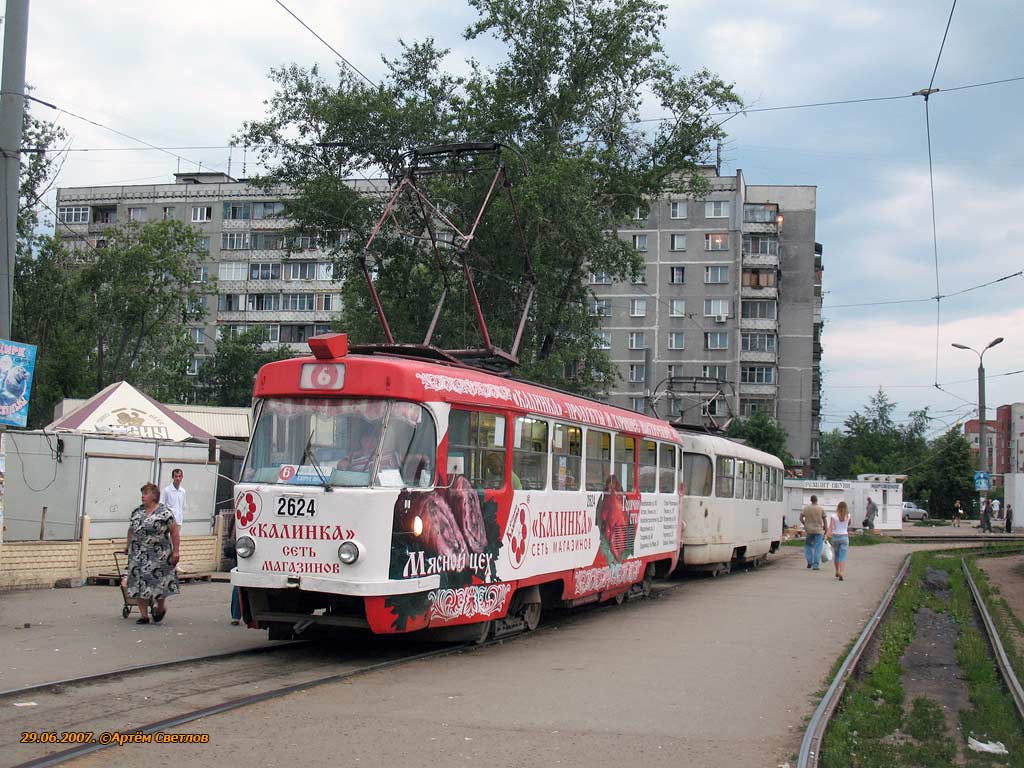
(229, 161)
(245, 148)
(718, 159)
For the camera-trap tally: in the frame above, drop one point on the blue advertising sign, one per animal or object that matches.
(17, 364)
(981, 481)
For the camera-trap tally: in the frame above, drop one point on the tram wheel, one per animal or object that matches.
(647, 585)
(279, 631)
(482, 634)
(620, 598)
(531, 615)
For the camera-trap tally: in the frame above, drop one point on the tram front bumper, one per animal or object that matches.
(333, 586)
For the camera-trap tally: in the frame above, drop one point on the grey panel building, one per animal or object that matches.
(726, 319)
(267, 275)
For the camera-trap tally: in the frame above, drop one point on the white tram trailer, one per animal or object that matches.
(398, 494)
(732, 505)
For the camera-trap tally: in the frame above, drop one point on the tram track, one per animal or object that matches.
(814, 735)
(174, 695)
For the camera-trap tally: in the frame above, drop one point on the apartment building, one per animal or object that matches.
(267, 275)
(725, 320)
(1004, 439)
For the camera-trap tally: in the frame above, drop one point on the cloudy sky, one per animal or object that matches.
(188, 73)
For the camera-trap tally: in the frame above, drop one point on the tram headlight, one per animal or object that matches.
(244, 546)
(417, 525)
(348, 552)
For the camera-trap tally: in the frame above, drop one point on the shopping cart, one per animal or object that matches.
(122, 581)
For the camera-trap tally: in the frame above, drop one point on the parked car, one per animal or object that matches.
(913, 512)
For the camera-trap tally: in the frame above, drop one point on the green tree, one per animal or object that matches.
(761, 431)
(569, 92)
(227, 378)
(948, 475)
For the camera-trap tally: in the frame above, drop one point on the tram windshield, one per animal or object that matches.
(346, 442)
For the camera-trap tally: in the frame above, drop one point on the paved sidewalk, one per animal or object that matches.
(80, 631)
(718, 672)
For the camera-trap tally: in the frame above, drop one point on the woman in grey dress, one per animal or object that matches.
(153, 541)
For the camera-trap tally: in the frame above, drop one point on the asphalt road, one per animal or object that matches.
(711, 673)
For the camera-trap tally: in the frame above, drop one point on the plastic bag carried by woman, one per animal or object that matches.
(826, 552)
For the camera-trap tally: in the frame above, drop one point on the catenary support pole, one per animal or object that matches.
(12, 111)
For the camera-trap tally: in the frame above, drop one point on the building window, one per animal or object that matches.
(603, 340)
(234, 241)
(716, 275)
(759, 278)
(296, 334)
(193, 367)
(600, 278)
(638, 404)
(677, 210)
(760, 213)
(641, 213)
(269, 241)
(203, 244)
(273, 333)
(674, 370)
(757, 374)
(236, 211)
(716, 209)
(230, 302)
(760, 245)
(73, 214)
(327, 302)
(713, 407)
(202, 213)
(758, 310)
(716, 372)
(750, 406)
(301, 270)
(678, 308)
(677, 340)
(264, 271)
(640, 279)
(232, 270)
(637, 340)
(305, 243)
(716, 241)
(202, 274)
(169, 213)
(637, 373)
(677, 275)
(716, 340)
(638, 307)
(716, 308)
(196, 334)
(640, 242)
(600, 308)
(263, 302)
(297, 302)
(267, 210)
(758, 342)
(324, 271)
(137, 214)
(678, 242)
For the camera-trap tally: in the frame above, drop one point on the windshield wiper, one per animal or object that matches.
(306, 454)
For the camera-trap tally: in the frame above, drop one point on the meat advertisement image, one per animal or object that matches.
(617, 531)
(451, 532)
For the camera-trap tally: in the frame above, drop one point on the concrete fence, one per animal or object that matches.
(33, 564)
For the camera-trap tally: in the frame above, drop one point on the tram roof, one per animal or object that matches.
(405, 378)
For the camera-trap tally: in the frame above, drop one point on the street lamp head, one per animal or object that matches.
(994, 342)
(961, 346)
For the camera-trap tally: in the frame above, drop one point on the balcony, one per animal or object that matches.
(767, 292)
(760, 259)
(758, 357)
(758, 324)
(758, 389)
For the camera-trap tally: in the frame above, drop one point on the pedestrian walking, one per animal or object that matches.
(173, 497)
(872, 513)
(153, 547)
(813, 518)
(986, 516)
(997, 509)
(957, 513)
(839, 534)
(1009, 518)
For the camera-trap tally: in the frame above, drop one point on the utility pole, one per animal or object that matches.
(982, 447)
(12, 112)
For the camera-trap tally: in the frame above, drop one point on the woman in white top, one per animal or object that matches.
(839, 535)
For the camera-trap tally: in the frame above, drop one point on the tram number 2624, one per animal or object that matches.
(296, 506)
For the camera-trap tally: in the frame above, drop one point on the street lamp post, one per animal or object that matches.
(982, 446)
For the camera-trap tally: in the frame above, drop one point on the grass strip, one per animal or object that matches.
(857, 540)
(871, 728)
(1008, 624)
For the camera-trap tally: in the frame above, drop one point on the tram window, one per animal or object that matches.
(599, 456)
(778, 485)
(758, 481)
(766, 484)
(566, 457)
(407, 456)
(773, 483)
(741, 478)
(750, 480)
(726, 469)
(529, 453)
(625, 459)
(476, 447)
(667, 469)
(697, 474)
(648, 466)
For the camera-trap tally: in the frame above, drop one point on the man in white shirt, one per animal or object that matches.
(173, 496)
(996, 509)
